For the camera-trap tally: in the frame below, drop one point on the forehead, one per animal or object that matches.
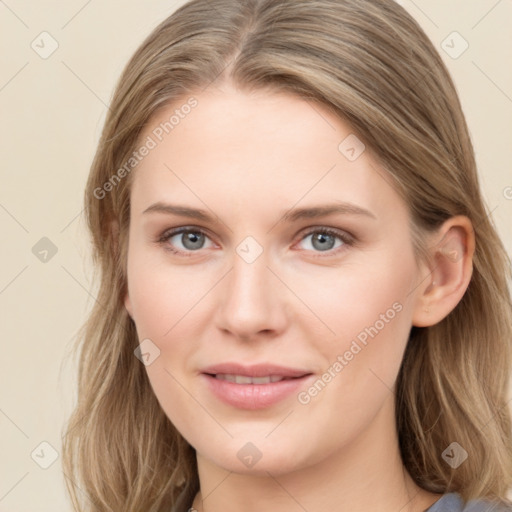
(255, 148)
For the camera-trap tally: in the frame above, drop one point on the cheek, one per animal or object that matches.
(160, 295)
(361, 302)
(163, 307)
(369, 309)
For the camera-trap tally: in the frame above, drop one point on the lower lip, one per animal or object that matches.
(254, 396)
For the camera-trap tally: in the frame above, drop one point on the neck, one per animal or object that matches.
(366, 475)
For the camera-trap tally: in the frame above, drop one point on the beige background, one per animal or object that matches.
(52, 113)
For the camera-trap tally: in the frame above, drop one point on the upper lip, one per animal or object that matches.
(255, 370)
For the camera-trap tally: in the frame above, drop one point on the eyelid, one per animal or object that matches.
(344, 235)
(164, 237)
(347, 238)
(168, 233)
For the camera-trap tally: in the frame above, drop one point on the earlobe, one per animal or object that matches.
(128, 305)
(450, 274)
(114, 237)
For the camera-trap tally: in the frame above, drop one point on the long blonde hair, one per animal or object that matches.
(371, 64)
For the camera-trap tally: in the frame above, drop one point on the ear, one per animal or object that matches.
(128, 304)
(450, 272)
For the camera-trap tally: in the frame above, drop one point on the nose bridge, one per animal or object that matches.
(249, 278)
(251, 298)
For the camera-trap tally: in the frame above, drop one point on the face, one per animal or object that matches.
(281, 312)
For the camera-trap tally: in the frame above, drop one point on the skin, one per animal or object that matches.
(247, 158)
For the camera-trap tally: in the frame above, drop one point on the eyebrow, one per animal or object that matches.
(292, 215)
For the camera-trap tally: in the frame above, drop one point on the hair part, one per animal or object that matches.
(370, 63)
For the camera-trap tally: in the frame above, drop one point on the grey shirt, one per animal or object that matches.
(452, 502)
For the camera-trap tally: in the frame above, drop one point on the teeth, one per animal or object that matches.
(243, 379)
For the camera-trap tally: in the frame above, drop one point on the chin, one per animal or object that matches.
(259, 458)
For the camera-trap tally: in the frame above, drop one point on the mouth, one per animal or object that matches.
(228, 371)
(245, 379)
(254, 387)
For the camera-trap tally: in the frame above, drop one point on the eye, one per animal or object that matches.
(324, 240)
(191, 240)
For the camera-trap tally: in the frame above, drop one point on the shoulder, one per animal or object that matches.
(452, 502)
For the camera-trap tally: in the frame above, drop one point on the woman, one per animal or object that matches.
(303, 301)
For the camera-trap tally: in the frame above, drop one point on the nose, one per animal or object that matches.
(252, 300)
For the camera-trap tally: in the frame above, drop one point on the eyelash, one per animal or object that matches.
(348, 240)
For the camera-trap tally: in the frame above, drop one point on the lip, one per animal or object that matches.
(255, 370)
(254, 396)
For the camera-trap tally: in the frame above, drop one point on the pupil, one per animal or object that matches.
(194, 239)
(322, 238)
